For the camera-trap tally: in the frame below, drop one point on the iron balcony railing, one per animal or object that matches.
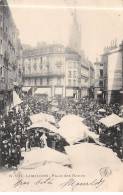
(47, 74)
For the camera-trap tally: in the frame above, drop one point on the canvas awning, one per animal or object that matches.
(45, 125)
(41, 91)
(42, 117)
(68, 119)
(111, 120)
(26, 89)
(69, 92)
(74, 132)
(91, 157)
(43, 155)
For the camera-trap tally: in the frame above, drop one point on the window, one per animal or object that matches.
(35, 81)
(69, 82)
(41, 82)
(69, 65)
(59, 49)
(28, 81)
(101, 83)
(74, 82)
(35, 66)
(32, 81)
(74, 74)
(58, 81)
(41, 60)
(58, 68)
(48, 81)
(101, 73)
(1, 70)
(74, 65)
(69, 74)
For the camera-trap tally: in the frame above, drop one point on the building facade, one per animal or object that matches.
(84, 80)
(10, 57)
(109, 74)
(99, 80)
(52, 70)
(113, 77)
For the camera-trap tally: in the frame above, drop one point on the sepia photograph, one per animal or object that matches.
(61, 96)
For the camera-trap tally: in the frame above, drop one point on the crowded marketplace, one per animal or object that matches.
(37, 122)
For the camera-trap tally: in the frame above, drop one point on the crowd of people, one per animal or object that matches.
(14, 126)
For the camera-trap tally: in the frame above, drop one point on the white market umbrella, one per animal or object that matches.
(54, 103)
(54, 109)
(41, 117)
(73, 132)
(40, 156)
(111, 120)
(45, 125)
(101, 110)
(91, 158)
(68, 119)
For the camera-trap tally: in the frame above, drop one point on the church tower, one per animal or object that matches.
(75, 34)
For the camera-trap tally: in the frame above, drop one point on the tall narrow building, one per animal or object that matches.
(75, 34)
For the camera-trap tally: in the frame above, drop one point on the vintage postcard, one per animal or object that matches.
(61, 96)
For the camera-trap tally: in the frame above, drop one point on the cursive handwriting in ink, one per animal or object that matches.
(72, 182)
(20, 182)
(45, 181)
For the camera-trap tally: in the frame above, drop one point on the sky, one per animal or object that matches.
(50, 20)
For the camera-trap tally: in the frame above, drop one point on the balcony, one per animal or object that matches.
(46, 74)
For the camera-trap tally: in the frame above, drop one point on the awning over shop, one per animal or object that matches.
(58, 91)
(69, 92)
(26, 89)
(41, 91)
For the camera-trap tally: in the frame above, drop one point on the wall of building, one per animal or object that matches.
(10, 57)
(52, 65)
(111, 64)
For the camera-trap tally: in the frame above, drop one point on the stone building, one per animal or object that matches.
(10, 57)
(109, 74)
(99, 80)
(52, 70)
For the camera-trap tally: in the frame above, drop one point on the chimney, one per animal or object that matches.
(115, 42)
(111, 44)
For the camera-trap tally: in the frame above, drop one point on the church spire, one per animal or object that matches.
(75, 33)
